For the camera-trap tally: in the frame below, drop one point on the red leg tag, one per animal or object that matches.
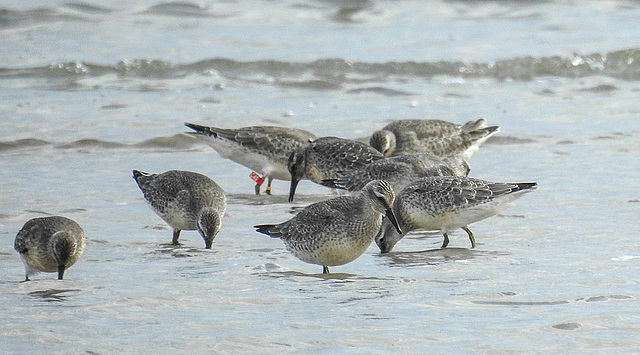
(255, 177)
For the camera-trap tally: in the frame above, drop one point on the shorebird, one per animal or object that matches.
(264, 149)
(328, 158)
(338, 230)
(447, 203)
(440, 138)
(49, 244)
(185, 200)
(400, 170)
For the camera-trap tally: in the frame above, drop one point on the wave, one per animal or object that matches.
(178, 142)
(331, 74)
(22, 144)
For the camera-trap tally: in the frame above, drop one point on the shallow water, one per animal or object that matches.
(90, 92)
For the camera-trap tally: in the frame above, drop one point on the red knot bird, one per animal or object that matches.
(185, 200)
(447, 203)
(400, 170)
(49, 244)
(338, 230)
(328, 158)
(263, 149)
(437, 137)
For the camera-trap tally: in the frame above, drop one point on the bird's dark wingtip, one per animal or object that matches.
(329, 183)
(492, 129)
(199, 129)
(138, 173)
(263, 228)
(194, 126)
(527, 186)
(272, 230)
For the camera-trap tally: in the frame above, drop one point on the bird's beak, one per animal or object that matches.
(292, 188)
(392, 218)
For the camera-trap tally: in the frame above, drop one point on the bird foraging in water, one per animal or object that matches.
(446, 203)
(328, 158)
(440, 138)
(49, 244)
(338, 230)
(265, 149)
(400, 171)
(185, 200)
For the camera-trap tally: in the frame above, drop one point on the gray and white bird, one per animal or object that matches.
(447, 203)
(328, 158)
(438, 137)
(186, 201)
(49, 244)
(338, 230)
(263, 149)
(400, 170)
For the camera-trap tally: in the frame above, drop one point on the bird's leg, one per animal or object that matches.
(445, 242)
(176, 235)
(471, 237)
(258, 179)
(325, 269)
(268, 191)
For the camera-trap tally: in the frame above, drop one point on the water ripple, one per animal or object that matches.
(183, 9)
(333, 73)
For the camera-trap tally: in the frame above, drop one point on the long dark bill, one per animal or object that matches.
(60, 271)
(392, 218)
(292, 188)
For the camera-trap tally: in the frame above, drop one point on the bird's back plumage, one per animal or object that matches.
(181, 198)
(49, 244)
(338, 230)
(263, 149)
(446, 203)
(437, 137)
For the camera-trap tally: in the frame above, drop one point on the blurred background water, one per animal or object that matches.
(91, 90)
